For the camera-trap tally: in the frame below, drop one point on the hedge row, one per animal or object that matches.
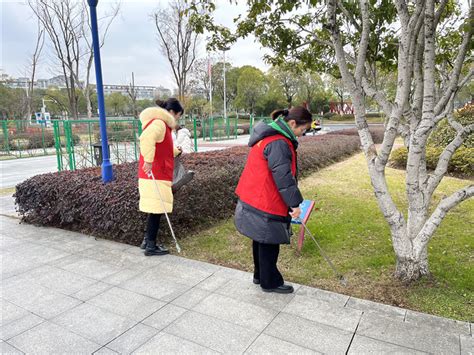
(79, 200)
(377, 132)
(32, 140)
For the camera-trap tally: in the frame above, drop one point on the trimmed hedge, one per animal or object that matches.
(376, 131)
(461, 163)
(79, 200)
(33, 140)
(443, 134)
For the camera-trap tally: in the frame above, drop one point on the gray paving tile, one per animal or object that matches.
(324, 312)
(94, 323)
(234, 274)
(6, 348)
(91, 268)
(467, 345)
(13, 265)
(373, 307)
(126, 303)
(105, 351)
(11, 312)
(48, 338)
(364, 345)
(91, 291)
(181, 274)
(266, 344)
(121, 276)
(248, 292)
(445, 324)
(212, 283)
(117, 258)
(164, 343)
(309, 334)
(70, 259)
(19, 326)
(164, 316)
(37, 299)
(57, 279)
(71, 246)
(40, 254)
(323, 295)
(409, 335)
(9, 244)
(191, 298)
(211, 332)
(190, 263)
(247, 315)
(132, 339)
(111, 244)
(153, 285)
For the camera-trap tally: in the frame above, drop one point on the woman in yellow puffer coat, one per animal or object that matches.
(157, 156)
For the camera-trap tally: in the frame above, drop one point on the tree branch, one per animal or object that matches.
(445, 157)
(456, 72)
(429, 228)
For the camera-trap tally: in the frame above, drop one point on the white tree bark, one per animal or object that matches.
(415, 118)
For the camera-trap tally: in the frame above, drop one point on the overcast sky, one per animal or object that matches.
(131, 44)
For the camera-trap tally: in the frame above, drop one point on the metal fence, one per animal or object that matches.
(76, 143)
(21, 138)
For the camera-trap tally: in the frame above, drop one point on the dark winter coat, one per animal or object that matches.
(256, 224)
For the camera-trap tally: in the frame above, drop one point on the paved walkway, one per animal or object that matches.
(64, 292)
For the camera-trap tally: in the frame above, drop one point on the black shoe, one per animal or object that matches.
(152, 249)
(143, 245)
(280, 289)
(256, 281)
(162, 248)
(156, 251)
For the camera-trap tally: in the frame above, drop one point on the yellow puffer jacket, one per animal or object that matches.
(154, 133)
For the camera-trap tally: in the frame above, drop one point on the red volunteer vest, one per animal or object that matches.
(163, 163)
(256, 185)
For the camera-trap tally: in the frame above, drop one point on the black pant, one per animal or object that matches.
(265, 258)
(152, 226)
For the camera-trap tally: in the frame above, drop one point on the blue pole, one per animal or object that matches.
(107, 172)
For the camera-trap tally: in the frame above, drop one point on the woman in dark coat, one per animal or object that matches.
(268, 192)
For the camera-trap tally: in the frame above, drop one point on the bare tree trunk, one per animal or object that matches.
(416, 61)
(133, 96)
(178, 42)
(34, 63)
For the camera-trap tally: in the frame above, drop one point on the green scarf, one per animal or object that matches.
(288, 133)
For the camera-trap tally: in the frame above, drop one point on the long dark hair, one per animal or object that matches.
(170, 104)
(301, 115)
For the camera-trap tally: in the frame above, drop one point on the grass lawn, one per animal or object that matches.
(353, 232)
(7, 191)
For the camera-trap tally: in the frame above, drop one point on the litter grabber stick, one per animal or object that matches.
(339, 276)
(178, 248)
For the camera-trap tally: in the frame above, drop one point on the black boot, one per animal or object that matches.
(152, 249)
(280, 289)
(162, 248)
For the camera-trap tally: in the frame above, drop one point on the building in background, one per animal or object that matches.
(58, 82)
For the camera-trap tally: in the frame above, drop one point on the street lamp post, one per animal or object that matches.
(107, 171)
(225, 98)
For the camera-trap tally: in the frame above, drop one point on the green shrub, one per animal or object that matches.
(461, 163)
(443, 134)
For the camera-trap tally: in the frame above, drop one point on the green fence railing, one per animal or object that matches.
(76, 143)
(24, 138)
